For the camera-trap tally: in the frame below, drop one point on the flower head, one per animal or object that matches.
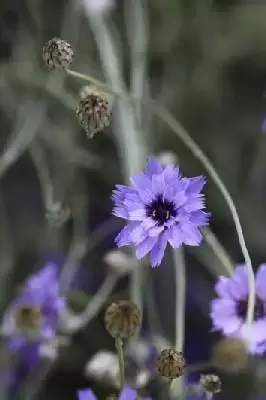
(210, 384)
(93, 111)
(171, 363)
(162, 207)
(228, 311)
(32, 316)
(122, 319)
(57, 54)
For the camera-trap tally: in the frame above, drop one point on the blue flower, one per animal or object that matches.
(33, 315)
(127, 394)
(229, 309)
(162, 207)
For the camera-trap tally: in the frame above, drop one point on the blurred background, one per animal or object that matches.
(205, 61)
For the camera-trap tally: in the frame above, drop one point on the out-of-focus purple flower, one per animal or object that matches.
(162, 207)
(33, 315)
(263, 126)
(228, 311)
(127, 394)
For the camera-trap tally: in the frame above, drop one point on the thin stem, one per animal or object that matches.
(73, 323)
(120, 354)
(166, 117)
(180, 296)
(174, 125)
(38, 158)
(219, 250)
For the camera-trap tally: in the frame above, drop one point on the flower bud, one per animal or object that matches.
(120, 262)
(210, 384)
(230, 355)
(93, 111)
(122, 319)
(57, 214)
(171, 363)
(57, 54)
(28, 320)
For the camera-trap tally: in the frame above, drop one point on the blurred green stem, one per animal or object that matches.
(180, 296)
(120, 354)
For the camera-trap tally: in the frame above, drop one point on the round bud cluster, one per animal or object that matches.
(28, 320)
(58, 214)
(122, 319)
(210, 384)
(171, 363)
(230, 355)
(93, 111)
(57, 54)
(112, 397)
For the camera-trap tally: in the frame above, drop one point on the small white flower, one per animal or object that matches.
(167, 157)
(120, 262)
(98, 6)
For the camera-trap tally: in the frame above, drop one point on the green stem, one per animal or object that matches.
(120, 354)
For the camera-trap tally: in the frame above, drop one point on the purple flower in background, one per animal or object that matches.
(263, 126)
(228, 311)
(162, 207)
(127, 394)
(33, 315)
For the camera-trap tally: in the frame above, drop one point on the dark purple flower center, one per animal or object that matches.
(259, 310)
(160, 210)
(28, 318)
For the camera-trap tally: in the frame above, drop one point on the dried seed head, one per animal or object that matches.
(93, 111)
(210, 384)
(122, 319)
(171, 363)
(28, 320)
(57, 54)
(57, 214)
(86, 91)
(230, 355)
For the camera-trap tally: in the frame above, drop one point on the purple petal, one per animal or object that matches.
(128, 394)
(156, 230)
(223, 308)
(200, 218)
(158, 185)
(239, 282)
(227, 325)
(191, 235)
(257, 340)
(44, 277)
(174, 236)
(222, 287)
(153, 167)
(196, 185)
(261, 282)
(143, 248)
(143, 186)
(130, 234)
(158, 250)
(137, 214)
(148, 223)
(86, 395)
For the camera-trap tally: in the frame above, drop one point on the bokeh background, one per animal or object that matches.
(205, 61)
